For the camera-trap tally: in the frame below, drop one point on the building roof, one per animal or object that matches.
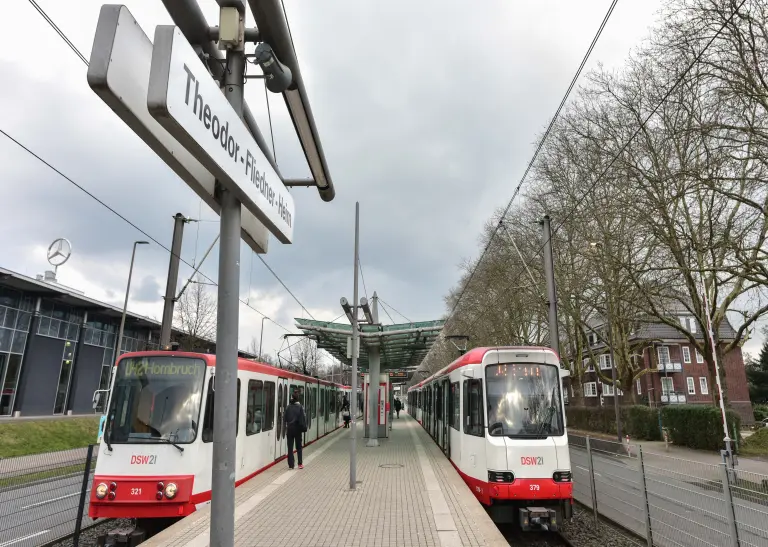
(71, 297)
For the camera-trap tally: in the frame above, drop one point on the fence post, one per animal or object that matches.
(83, 497)
(592, 487)
(729, 509)
(646, 505)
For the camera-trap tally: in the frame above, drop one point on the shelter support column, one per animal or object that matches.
(374, 369)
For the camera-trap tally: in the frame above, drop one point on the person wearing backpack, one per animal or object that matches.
(295, 427)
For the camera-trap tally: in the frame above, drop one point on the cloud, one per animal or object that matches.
(427, 115)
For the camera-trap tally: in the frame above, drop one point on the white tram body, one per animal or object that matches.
(498, 415)
(155, 454)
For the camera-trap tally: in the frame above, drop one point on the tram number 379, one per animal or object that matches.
(535, 487)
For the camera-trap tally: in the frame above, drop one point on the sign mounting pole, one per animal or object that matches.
(225, 400)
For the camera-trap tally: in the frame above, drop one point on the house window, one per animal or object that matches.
(607, 390)
(605, 361)
(639, 385)
(588, 366)
(663, 354)
(691, 386)
(703, 385)
(686, 354)
(590, 389)
(699, 357)
(667, 385)
(692, 325)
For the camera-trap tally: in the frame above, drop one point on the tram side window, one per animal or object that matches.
(208, 420)
(473, 407)
(455, 408)
(269, 397)
(255, 412)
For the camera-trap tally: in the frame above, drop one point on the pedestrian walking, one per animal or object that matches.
(398, 406)
(345, 413)
(295, 427)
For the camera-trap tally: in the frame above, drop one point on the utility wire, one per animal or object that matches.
(53, 25)
(669, 92)
(285, 287)
(535, 154)
(362, 276)
(82, 58)
(390, 317)
(269, 115)
(394, 310)
(126, 220)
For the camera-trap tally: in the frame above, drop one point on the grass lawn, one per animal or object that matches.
(52, 474)
(35, 437)
(756, 444)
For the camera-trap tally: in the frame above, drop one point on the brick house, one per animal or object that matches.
(678, 373)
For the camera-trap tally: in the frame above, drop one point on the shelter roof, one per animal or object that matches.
(403, 345)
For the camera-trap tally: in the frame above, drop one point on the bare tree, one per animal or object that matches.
(305, 356)
(195, 315)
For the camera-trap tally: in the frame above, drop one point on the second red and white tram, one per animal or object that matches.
(498, 414)
(155, 456)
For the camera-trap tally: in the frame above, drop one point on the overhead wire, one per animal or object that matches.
(55, 27)
(394, 310)
(362, 276)
(640, 127)
(535, 155)
(85, 61)
(125, 219)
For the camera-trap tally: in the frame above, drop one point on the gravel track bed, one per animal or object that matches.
(88, 537)
(581, 531)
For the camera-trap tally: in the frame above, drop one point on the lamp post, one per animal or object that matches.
(613, 360)
(125, 305)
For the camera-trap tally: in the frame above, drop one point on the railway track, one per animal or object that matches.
(517, 538)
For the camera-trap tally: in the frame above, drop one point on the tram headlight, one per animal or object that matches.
(170, 490)
(101, 491)
(562, 476)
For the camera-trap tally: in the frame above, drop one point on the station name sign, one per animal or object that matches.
(184, 98)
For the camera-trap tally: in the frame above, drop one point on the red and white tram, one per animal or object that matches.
(498, 414)
(155, 453)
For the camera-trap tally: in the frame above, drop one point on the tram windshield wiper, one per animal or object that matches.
(168, 441)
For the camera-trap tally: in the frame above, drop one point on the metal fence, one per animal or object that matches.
(45, 497)
(667, 501)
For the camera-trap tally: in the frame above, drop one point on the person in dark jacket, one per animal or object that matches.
(398, 406)
(345, 412)
(295, 426)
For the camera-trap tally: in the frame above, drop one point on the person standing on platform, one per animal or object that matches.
(345, 412)
(295, 426)
(398, 406)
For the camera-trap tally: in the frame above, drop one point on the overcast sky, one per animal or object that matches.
(427, 112)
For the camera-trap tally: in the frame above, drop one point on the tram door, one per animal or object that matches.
(447, 409)
(321, 414)
(281, 444)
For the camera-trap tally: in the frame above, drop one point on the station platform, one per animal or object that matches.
(409, 495)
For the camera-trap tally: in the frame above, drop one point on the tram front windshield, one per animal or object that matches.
(524, 400)
(156, 399)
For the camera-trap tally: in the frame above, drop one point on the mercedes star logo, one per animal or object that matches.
(59, 251)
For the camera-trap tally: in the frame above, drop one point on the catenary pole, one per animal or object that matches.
(222, 522)
(355, 345)
(125, 305)
(549, 273)
(173, 276)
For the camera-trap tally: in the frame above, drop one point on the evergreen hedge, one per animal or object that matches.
(694, 426)
(698, 426)
(639, 422)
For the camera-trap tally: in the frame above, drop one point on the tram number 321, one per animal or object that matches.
(135, 491)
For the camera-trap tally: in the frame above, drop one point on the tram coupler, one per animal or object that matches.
(538, 518)
(122, 537)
